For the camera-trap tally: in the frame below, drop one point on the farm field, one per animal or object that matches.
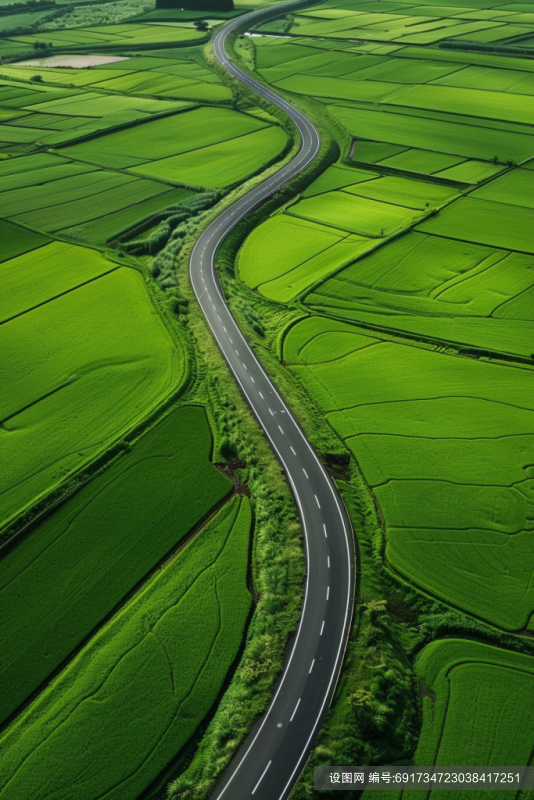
(64, 578)
(90, 361)
(445, 453)
(458, 673)
(132, 698)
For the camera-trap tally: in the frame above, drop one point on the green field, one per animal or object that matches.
(79, 373)
(456, 525)
(136, 693)
(496, 685)
(60, 582)
(166, 137)
(218, 166)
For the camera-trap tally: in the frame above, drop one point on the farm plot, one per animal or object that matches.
(170, 136)
(461, 673)
(81, 369)
(62, 581)
(452, 138)
(55, 117)
(340, 215)
(116, 36)
(15, 240)
(77, 198)
(460, 527)
(284, 255)
(134, 696)
(440, 288)
(220, 165)
(39, 276)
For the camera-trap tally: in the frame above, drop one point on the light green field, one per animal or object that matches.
(485, 222)
(473, 102)
(515, 188)
(336, 177)
(126, 35)
(136, 693)
(416, 195)
(353, 214)
(423, 161)
(64, 579)
(338, 88)
(279, 244)
(498, 687)
(455, 528)
(166, 137)
(429, 134)
(81, 369)
(219, 165)
(37, 277)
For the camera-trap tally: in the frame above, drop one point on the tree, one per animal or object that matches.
(201, 25)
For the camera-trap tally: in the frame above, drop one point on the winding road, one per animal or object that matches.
(271, 759)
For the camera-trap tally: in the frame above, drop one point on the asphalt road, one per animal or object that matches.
(269, 763)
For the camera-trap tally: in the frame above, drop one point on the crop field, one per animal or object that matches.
(446, 454)
(68, 362)
(115, 36)
(136, 693)
(496, 685)
(61, 581)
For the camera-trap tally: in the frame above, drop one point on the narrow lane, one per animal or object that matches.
(273, 756)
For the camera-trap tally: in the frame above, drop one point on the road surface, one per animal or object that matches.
(269, 763)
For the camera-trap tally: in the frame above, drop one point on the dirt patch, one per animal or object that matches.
(424, 692)
(76, 62)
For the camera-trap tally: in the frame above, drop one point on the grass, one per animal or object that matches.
(64, 579)
(336, 177)
(458, 672)
(516, 188)
(81, 369)
(453, 527)
(402, 192)
(134, 696)
(166, 137)
(220, 165)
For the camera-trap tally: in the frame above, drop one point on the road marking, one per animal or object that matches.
(279, 725)
(328, 593)
(231, 342)
(260, 394)
(252, 379)
(295, 710)
(235, 351)
(304, 471)
(313, 662)
(280, 429)
(317, 501)
(328, 559)
(262, 776)
(324, 529)
(224, 329)
(271, 413)
(322, 629)
(293, 451)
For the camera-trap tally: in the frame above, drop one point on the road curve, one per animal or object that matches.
(271, 759)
